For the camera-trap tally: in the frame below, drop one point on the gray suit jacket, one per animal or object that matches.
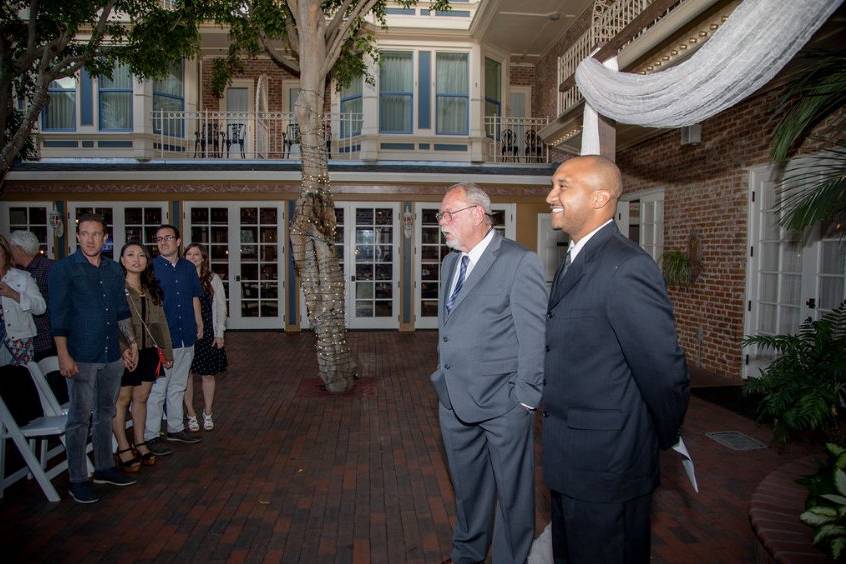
(491, 346)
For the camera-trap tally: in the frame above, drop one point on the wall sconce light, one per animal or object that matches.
(57, 223)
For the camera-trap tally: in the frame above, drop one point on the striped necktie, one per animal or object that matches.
(465, 260)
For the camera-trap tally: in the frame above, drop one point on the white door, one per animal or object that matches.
(125, 222)
(29, 216)
(430, 249)
(246, 248)
(552, 246)
(791, 276)
(367, 244)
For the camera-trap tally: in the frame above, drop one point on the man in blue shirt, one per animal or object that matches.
(181, 285)
(88, 314)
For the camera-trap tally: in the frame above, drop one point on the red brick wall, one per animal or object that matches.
(706, 191)
(253, 69)
(522, 75)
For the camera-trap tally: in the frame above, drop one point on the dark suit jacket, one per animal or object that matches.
(490, 348)
(616, 379)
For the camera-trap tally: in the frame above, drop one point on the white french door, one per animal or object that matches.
(29, 216)
(246, 249)
(791, 276)
(367, 245)
(430, 249)
(125, 222)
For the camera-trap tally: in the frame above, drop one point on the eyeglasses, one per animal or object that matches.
(447, 215)
(164, 239)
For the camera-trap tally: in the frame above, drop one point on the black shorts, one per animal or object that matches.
(148, 360)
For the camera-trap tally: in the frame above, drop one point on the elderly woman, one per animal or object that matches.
(20, 300)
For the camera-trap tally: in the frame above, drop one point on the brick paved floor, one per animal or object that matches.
(293, 475)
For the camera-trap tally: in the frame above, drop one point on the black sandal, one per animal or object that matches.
(148, 458)
(130, 466)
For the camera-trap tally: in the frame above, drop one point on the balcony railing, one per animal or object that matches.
(515, 140)
(608, 19)
(248, 135)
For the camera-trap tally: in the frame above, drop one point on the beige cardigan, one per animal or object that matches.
(156, 323)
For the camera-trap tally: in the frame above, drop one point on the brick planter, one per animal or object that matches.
(774, 514)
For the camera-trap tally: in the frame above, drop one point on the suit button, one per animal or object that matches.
(446, 339)
(547, 348)
(549, 315)
(546, 413)
(447, 366)
(544, 382)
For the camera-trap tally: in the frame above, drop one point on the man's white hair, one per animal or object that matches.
(475, 196)
(26, 240)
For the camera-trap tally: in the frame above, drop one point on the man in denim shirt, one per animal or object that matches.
(181, 285)
(88, 314)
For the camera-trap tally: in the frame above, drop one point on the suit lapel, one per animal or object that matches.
(479, 270)
(580, 266)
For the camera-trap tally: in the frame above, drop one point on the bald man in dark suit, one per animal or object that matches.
(616, 379)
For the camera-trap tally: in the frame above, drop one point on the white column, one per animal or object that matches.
(477, 109)
(370, 115)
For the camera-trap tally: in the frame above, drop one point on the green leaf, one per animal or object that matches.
(823, 510)
(840, 481)
(835, 449)
(829, 530)
(835, 498)
(811, 518)
(837, 546)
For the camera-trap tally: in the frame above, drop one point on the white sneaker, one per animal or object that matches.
(208, 424)
(193, 425)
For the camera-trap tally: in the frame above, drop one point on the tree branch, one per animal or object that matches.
(336, 20)
(286, 63)
(333, 50)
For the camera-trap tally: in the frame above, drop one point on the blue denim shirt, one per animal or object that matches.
(85, 304)
(181, 285)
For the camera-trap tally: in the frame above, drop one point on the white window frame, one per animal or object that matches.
(654, 244)
(6, 227)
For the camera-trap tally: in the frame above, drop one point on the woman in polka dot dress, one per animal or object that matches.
(209, 354)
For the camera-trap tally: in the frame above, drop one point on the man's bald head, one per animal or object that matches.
(584, 194)
(600, 173)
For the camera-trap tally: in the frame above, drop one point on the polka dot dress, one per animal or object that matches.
(208, 359)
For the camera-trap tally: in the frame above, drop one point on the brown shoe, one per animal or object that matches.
(131, 466)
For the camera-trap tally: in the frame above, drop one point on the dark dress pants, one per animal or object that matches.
(600, 533)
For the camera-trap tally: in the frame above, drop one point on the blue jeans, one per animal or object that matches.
(95, 388)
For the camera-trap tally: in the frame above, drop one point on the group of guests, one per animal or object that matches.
(597, 356)
(128, 334)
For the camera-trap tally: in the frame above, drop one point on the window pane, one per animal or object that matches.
(121, 79)
(452, 92)
(492, 81)
(115, 110)
(395, 92)
(61, 110)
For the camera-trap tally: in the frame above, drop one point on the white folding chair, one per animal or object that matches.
(51, 406)
(23, 393)
(48, 366)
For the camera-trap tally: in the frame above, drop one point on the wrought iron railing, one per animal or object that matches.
(247, 135)
(515, 140)
(609, 18)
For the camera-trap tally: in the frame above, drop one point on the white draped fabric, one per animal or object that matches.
(756, 41)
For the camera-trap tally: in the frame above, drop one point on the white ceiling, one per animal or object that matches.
(527, 28)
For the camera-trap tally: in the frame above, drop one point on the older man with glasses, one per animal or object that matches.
(181, 286)
(489, 378)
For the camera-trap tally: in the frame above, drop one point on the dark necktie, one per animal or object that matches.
(562, 270)
(465, 260)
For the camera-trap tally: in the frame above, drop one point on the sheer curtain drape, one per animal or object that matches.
(396, 83)
(116, 99)
(452, 83)
(61, 106)
(757, 40)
